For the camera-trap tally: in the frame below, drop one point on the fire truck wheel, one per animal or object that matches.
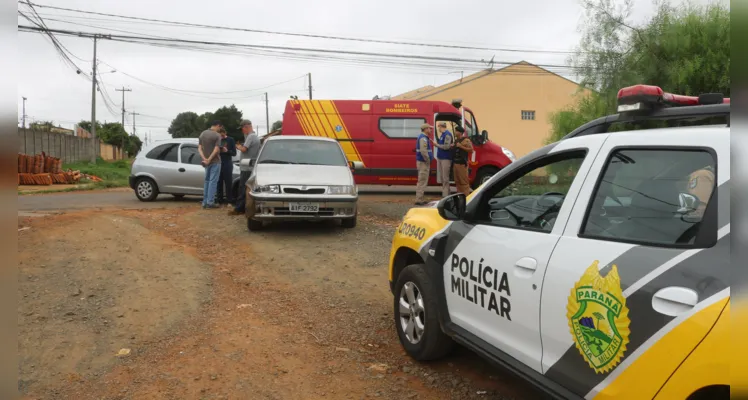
(483, 175)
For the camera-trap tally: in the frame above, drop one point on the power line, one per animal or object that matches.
(307, 35)
(389, 64)
(151, 40)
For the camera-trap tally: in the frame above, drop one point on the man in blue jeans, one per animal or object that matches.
(209, 149)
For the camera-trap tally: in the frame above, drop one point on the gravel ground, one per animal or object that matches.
(296, 311)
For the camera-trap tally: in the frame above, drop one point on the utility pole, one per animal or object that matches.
(93, 104)
(123, 90)
(310, 86)
(24, 112)
(267, 113)
(133, 122)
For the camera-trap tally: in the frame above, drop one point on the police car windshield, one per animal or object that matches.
(300, 151)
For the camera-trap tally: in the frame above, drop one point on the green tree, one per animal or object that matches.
(134, 144)
(42, 126)
(684, 50)
(87, 125)
(277, 125)
(113, 133)
(231, 117)
(186, 124)
(189, 124)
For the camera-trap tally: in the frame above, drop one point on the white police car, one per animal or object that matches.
(594, 267)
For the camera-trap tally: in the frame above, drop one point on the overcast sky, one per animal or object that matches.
(55, 92)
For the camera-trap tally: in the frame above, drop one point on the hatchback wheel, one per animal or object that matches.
(416, 316)
(145, 189)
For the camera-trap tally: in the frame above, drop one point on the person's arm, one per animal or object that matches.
(423, 148)
(241, 148)
(200, 150)
(215, 152)
(444, 146)
(465, 145)
(232, 146)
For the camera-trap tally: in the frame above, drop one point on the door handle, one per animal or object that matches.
(181, 169)
(674, 300)
(525, 267)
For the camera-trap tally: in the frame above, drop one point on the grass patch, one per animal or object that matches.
(114, 173)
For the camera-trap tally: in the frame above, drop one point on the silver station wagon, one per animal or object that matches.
(301, 178)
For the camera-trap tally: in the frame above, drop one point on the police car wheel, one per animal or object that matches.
(416, 315)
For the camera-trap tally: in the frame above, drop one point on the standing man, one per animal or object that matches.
(424, 154)
(444, 155)
(249, 151)
(210, 144)
(228, 151)
(463, 148)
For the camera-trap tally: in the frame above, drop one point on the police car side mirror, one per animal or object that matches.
(452, 208)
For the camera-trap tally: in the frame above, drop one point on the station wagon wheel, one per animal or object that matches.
(146, 189)
(416, 315)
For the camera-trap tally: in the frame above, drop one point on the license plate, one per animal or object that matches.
(303, 207)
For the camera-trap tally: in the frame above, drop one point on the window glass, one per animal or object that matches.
(190, 155)
(171, 154)
(401, 127)
(652, 197)
(310, 152)
(528, 115)
(533, 200)
(470, 128)
(159, 152)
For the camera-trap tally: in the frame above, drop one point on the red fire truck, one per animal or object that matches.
(381, 134)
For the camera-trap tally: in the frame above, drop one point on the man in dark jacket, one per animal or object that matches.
(462, 150)
(225, 181)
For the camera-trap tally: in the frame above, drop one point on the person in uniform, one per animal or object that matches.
(424, 155)
(443, 146)
(462, 149)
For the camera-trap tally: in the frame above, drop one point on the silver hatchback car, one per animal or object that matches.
(301, 178)
(173, 167)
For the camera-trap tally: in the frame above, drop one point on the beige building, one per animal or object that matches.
(513, 103)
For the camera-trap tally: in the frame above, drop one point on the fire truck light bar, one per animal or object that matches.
(645, 97)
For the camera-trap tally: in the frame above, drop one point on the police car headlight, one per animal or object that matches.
(509, 154)
(266, 189)
(342, 189)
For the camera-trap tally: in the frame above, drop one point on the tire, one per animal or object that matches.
(348, 223)
(483, 175)
(254, 225)
(146, 189)
(432, 344)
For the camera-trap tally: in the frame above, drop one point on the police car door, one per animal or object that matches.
(645, 248)
(497, 258)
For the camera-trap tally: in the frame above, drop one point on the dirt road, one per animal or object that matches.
(202, 309)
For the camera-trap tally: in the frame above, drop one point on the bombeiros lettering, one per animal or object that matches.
(481, 284)
(413, 231)
(401, 108)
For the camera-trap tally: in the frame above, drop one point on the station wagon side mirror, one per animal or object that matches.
(452, 208)
(354, 165)
(246, 163)
(484, 136)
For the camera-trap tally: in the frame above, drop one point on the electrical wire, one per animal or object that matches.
(306, 35)
(303, 51)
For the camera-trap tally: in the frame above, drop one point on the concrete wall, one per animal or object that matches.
(498, 97)
(66, 147)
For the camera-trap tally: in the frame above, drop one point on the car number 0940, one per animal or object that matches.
(303, 207)
(412, 231)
